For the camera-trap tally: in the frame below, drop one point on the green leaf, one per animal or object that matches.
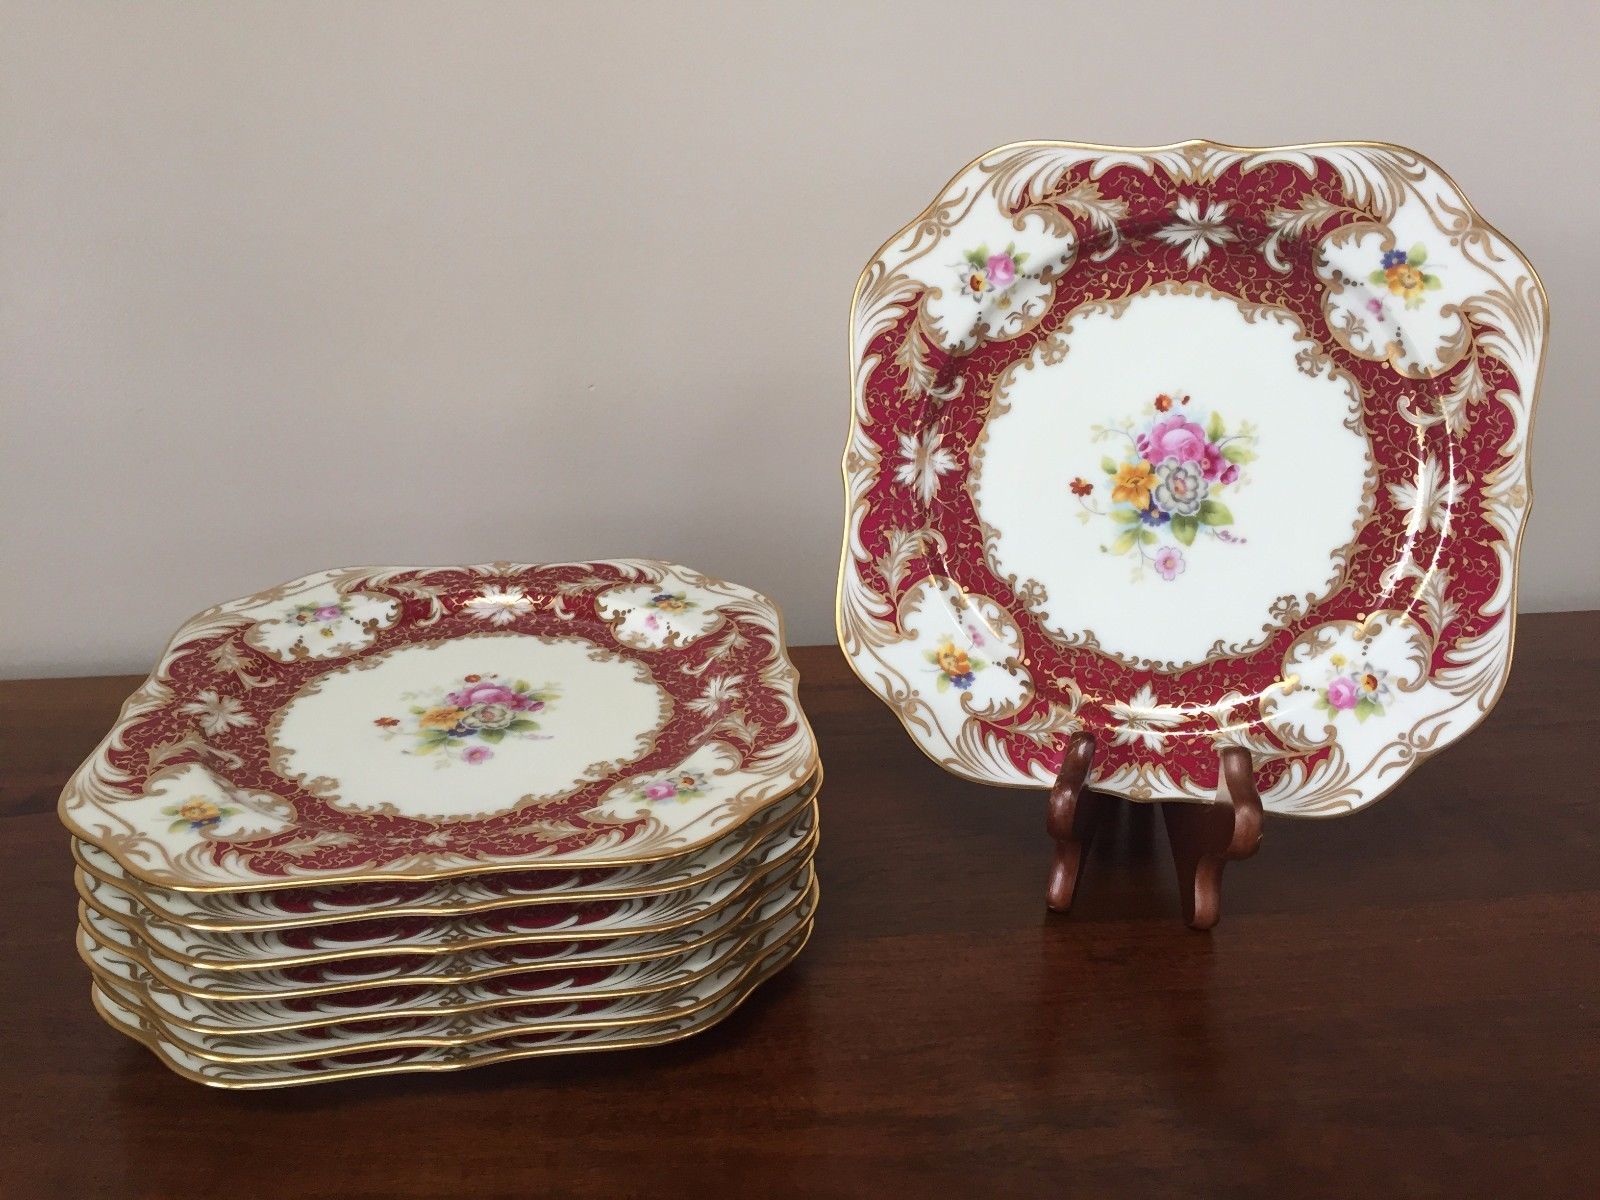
(1124, 542)
(1235, 453)
(1019, 259)
(427, 747)
(1108, 465)
(1147, 536)
(1125, 516)
(1214, 429)
(523, 725)
(1417, 255)
(1431, 282)
(942, 683)
(1378, 277)
(1214, 512)
(1184, 528)
(977, 664)
(522, 685)
(492, 736)
(979, 257)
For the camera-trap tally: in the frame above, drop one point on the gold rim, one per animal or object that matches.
(125, 996)
(139, 955)
(745, 888)
(142, 989)
(777, 814)
(1476, 220)
(144, 1038)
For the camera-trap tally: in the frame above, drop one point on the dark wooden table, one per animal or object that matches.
(1401, 1003)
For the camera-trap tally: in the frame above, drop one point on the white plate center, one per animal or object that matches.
(1169, 476)
(469, 727)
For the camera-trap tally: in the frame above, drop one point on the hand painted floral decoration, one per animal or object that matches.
(1403, 275)
(672, 602)
(1362, 691)
(956, 668)
(1167, 485)
(679, 786)
(462, 724)
(668, 603)
(983, 274)
(196, 813)
(323, 615)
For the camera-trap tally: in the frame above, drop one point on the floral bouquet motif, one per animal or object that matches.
(321, 615)
(1168, 482)
(197, 813)
(983, 274)
(957, 668)
(671, 602)
(462, 724)
(1361, 691)
(668, 603)
(679, 786)
(1403, 275)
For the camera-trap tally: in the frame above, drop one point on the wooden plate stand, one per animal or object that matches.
(1203, 836)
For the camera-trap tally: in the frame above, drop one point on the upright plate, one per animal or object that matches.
(1189, 447)
(404, 723)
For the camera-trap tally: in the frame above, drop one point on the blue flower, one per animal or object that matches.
(964, 682)
(1394, 258)
(1153, 516)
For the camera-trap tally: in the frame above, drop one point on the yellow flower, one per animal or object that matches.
(953, 662)
(1133, 484)
(1407, 281)
(1369, 682)
(441, 718)
(198, 809)
(1338, 660)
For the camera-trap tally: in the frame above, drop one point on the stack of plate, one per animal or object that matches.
(398, 820)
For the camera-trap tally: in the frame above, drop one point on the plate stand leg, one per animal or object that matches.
(1205, 836)
(1074, 812)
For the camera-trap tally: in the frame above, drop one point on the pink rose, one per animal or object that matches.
(1002, 270)
(485, 693)
(1217, 468)
(1174, 437)
(1342, 692)
(478, 754)
(661, 789)
(327, 612)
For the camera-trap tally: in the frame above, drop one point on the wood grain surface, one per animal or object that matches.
(1399, 1003)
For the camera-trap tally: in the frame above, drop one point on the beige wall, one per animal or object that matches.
(284, 286)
